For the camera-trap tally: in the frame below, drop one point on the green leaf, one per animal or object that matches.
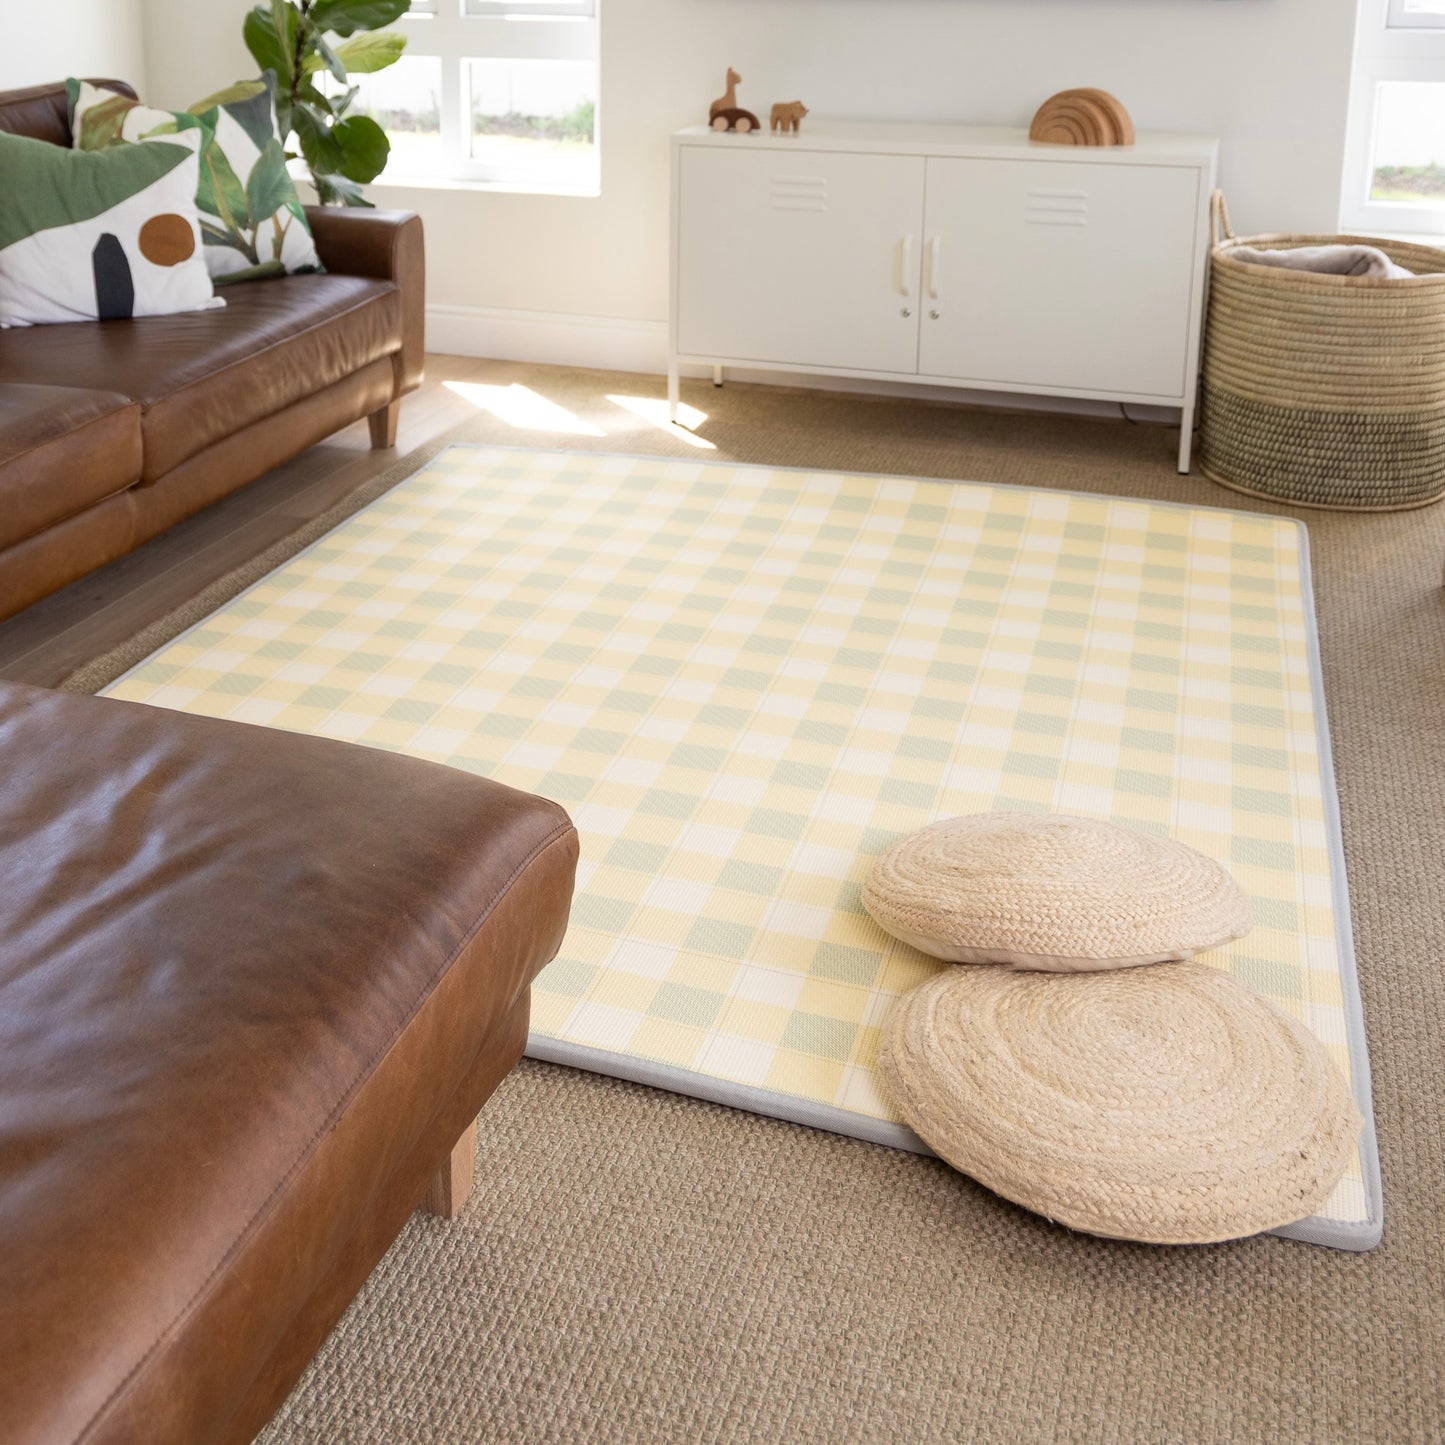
(283, 18)
(363, 54)
(346, 17)
(255, 113)
(101, 124)
(241, 90)
(257, 272)
(222, 195)
(314, 97)
(364, 147)
(271, 49)
(212, 235)
(284, 120)
(326, 55)
(333, 189)
(322, 152)
(268, 187)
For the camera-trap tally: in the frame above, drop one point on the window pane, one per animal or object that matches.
(487, 8)
(1413, 14)
(405, 101)
(535, 120)
(1409, 155)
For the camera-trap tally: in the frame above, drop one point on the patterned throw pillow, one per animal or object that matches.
(96, 237)
(252, 220)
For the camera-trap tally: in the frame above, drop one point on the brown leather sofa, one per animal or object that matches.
(254, 988)
(112, 431)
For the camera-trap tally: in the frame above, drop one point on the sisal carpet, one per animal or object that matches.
(642, 1267)
(744, 682)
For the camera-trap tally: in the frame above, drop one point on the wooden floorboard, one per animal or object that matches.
(48, 641)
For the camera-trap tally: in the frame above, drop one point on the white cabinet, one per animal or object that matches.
(1059, 275)
(948, 255)
(818, 227)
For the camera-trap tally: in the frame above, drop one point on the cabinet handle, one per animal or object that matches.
(935, 251)
(905, 266)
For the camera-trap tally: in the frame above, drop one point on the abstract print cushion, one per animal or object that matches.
(102, 236)
(252, 220)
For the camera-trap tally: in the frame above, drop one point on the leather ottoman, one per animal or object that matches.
(254, 988)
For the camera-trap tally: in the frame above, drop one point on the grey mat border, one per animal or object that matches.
(767, 1102)
(1332, 1234)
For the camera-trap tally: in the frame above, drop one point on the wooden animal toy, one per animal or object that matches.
(788, 115)
(724, 114)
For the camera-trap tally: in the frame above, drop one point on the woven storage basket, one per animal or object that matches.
(1324, 391)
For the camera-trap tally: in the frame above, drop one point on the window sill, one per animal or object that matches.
(1418, 238)
(524, 188)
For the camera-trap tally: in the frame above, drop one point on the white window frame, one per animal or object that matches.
(1400, 18)
(1390, 45)
(457, 31)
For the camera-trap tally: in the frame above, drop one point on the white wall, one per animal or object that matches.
(1269, 76)
(52, 39)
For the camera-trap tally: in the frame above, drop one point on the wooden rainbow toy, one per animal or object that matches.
(1082, 118)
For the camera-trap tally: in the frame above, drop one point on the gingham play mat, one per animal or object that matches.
(745, 682)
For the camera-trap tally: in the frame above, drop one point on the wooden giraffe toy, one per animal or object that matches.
(724, 114)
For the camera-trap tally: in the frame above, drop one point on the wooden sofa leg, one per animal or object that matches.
(452, 1183)
(383, 425)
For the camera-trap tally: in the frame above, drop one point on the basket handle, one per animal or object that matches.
(1219, 228)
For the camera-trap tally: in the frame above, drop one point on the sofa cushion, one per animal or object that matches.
(240, 972)
(61, 451)
(101, 235)
(199, 378)
(43, 111)
(243, 165)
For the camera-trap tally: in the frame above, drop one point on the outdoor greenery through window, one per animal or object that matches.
(1409, 152)
(492, 91)
(1395, 171)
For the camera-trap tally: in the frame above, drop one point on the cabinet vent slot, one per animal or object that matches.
(799, 193)
(1056, 208)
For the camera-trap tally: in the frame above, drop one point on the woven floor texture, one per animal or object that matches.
(636, 1266)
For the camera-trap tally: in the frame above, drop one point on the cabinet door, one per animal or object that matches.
(799, 256)
(1065, 275)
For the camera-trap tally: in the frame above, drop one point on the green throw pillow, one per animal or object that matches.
(252, 220)
(87, 237)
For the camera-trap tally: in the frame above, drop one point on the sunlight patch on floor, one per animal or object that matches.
(521, 407)
(653, 410)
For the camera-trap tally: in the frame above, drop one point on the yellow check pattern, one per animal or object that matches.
(744, 683)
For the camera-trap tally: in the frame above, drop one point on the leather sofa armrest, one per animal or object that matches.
(386, 246)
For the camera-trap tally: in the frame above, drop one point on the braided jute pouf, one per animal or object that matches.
(1169, 1105)
(1046, 891)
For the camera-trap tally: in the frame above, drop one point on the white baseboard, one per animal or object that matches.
(616, 343)
(604, 343)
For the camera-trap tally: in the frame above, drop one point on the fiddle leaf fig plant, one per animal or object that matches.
(302, 39)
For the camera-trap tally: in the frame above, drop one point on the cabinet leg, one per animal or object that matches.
(717, 376)
(1186, 440)
(673, 392)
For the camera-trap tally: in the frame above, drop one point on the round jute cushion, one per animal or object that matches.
(1170, 1105)
(1044, 891)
